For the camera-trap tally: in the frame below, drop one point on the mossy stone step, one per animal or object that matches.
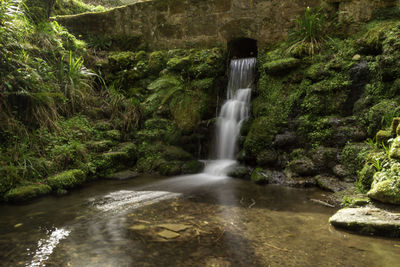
(67, 179)
(27, 192)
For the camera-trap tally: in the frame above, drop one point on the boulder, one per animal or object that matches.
(395, 149)
(302, 167)
(368, 220)
(285, 139)
(386, 191)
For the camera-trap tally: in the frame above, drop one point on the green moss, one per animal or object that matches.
(121, 61)
(387, 191)
(188, 109)
(383, 136)
(67, 179)
(103, 125)
(100, 146)
(113, 134)
(157, 61)
(281, 66)
(169, 168)
(317, 72)
(365, 178)
(262, 132)
(381, 115)
(179, 64)
(394, 125)
(27, 192)
(159, 129)
(257, 176)
(130, 149)
(395, 149)
(353, 156)
(193, 166)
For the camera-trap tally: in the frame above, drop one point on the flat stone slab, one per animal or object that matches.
(122, 175)
(167, 234)
(368, 220)
(138, 227)
(174, 227)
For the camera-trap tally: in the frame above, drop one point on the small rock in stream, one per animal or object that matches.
(174, 227)
(167, 234)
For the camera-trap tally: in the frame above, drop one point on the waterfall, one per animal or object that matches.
(234, 112)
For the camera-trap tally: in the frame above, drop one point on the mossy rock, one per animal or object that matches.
(130, 149)
(170, 168)
(281, 66)
(378, 116)
(394, 126)
(302, 167)
(267, 157)
(113, 134)
(258, 176)
(241, 172)
(67, 179)
(193, 166)
(382, 137)
(188, 109)
(175, 153)
(103, 126)
(27, 192)
(100, 146)
(157, 61)
(395, 149)
(116, 158)
(386, 191)
(261, 135)
(316, 72)
(365, 178)
(179, 64)
(354, 156)
(121, 61)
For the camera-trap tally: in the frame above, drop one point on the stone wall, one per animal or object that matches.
(166, 24)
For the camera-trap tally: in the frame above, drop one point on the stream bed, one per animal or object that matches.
(196, 220)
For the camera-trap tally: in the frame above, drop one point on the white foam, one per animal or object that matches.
(46, 247)
(125, 199)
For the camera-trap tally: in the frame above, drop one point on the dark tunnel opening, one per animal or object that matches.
(242, 48)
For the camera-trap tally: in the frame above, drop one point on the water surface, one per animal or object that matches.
(228, 222)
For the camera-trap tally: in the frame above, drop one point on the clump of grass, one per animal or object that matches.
(308, 35)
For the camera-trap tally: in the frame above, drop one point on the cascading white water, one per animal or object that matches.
(233, 113)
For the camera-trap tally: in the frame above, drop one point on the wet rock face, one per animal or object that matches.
(171, 23)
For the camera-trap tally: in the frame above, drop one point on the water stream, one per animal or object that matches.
(234, 112)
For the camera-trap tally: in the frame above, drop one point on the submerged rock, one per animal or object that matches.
(368, 220)
(122, 175)
(167, 234)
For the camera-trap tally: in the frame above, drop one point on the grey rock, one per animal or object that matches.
(340, 171)
(330, 183)
(302, 167)
(240, 171)
(368, 220)
(286, 139)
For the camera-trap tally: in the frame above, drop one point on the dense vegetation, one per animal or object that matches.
(62, 124)
(324, 113)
